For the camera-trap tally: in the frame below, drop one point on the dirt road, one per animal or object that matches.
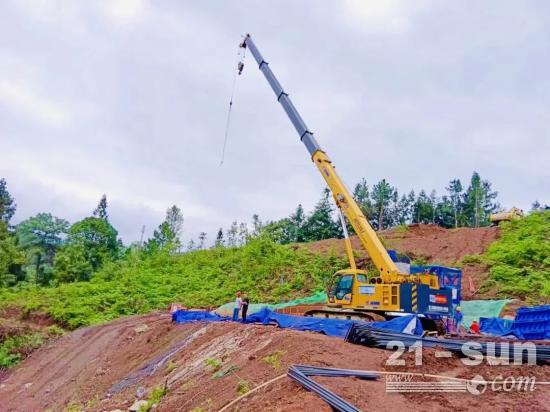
(205, 366)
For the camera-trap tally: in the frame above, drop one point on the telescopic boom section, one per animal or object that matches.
(343, 198)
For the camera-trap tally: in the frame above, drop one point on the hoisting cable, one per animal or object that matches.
(240, 66)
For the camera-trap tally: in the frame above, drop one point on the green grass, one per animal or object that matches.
(213, 364)
(170, 366)
(274, 359)
(471, 260)
(520, 260)
(243, 387)
(140, 283)
(156, 395)
(15, 348)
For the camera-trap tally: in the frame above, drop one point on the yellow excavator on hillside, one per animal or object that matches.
(512, 214)
(353, 294)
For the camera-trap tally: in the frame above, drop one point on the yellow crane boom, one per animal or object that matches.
(344, 200)
(352, 293)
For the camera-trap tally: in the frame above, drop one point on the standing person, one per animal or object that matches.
(245, 303)
(237, 308)
(458, 320)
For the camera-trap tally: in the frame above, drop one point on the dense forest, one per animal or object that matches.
(47, 250)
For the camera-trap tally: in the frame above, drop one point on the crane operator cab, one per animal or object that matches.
(352, 288)
(353, 294)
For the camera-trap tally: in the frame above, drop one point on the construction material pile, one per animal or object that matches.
(301, 373)
(366, 335)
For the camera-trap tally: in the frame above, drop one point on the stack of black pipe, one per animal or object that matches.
(300, 374)
(366, 335)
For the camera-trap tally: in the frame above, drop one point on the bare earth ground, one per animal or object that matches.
(433, 244)
(98, 369)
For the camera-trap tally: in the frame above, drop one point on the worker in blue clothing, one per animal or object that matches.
(238, 305)
(458, 320)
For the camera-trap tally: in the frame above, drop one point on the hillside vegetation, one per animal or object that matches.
(141, 282)
(520, 260)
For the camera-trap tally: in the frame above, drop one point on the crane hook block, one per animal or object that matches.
(240, 67)
(242, 45)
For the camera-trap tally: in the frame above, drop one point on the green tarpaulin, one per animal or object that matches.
(471, 309)
(474, 309)
(227, 309)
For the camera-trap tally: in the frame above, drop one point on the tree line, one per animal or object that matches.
(461, 206)
(47, 250)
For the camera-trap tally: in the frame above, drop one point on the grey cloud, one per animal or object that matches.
(418, 95)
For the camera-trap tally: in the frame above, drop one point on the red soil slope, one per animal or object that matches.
(100, 368)
(432, 244)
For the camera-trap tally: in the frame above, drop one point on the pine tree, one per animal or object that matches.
(392, 218)
(361, 196)
(174, 218)
(232, 234)
(433, 204)
(219, 238)
(479, 201)
(279, 231)
(320, 224)
(422, 209)
(403, 210)
(382, 194)
(455, 198)
(489, 203)
(7, 204)
(297, 221)
(243, 233)
(202, 240)
(444, 213)
(411, 202)
(256, 225)
(101, 209)
(167, 235)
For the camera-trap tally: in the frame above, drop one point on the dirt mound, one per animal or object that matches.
(439, 245)
(430, 244)
(204, 366)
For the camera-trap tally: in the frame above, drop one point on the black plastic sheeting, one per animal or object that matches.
(379, 338)
(300, 374)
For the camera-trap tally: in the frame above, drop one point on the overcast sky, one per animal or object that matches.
(129, 98)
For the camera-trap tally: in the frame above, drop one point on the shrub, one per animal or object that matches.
(274, 359)
(243, 387)
(139, 282)
(520, 259)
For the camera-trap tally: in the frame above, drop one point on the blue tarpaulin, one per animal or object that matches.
(495, 326)
(331, 327)
(532, 322)
(404, 324)
(184, 316)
